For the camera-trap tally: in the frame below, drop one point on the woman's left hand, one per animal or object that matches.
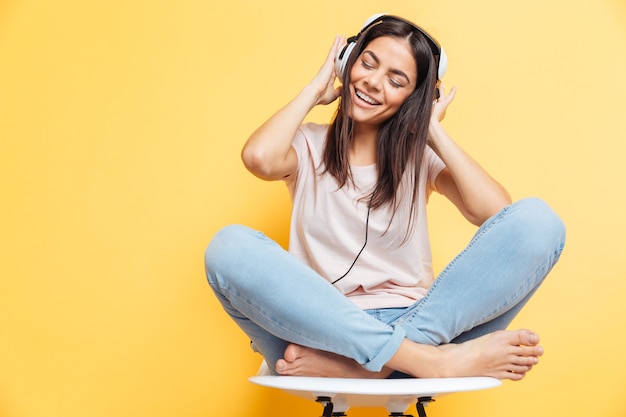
(441, 104)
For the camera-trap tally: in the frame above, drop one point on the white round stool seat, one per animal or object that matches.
(394, 394)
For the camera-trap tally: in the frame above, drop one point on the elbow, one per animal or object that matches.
(255, 161)
(268, 163)
(497, 201)
(506, 199)
(251, 158)
(260, 163)
(503, 201)
(494, 207)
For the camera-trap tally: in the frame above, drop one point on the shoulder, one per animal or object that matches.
(310, 136)
(314, 130)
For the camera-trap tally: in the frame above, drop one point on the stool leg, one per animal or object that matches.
(328, 406)
(421, 403)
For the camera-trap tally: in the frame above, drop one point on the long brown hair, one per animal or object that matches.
(401, 139)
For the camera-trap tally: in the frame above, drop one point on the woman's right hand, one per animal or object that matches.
(324, 82)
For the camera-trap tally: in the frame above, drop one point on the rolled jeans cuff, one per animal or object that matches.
(388, 350)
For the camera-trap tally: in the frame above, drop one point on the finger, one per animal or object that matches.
(340, 42)
(332, 55)
(452, 93)
(334, 49)
(449, 96)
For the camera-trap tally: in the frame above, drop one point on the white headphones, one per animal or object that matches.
(344, 55)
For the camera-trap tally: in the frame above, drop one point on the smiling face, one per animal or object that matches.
(381, 79)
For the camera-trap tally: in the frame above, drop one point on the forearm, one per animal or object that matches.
(268, 153)
(267, 150)
(482, 196)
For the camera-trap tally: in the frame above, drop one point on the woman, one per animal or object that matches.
(355, 295)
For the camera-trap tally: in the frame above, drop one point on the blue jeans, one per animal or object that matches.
(277, 300)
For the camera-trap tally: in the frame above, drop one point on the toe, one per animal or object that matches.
(528, 338)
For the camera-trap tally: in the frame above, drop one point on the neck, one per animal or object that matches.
(363, 146)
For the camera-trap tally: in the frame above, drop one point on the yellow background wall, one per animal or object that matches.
(121, 124)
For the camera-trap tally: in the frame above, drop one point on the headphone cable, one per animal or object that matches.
(367, 222)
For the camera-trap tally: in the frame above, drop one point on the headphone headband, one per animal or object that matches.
(342, 58)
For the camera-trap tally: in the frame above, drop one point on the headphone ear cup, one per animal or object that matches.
(443, 63)
(342, 60)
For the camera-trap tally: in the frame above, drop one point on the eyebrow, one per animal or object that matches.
(393, 70)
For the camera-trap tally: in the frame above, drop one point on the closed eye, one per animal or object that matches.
(366, 64)
(402, 76)
(395, 83)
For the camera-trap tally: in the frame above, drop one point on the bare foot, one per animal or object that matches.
(502, 355)
(303, 361)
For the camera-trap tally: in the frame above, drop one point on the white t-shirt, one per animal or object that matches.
(328, 229)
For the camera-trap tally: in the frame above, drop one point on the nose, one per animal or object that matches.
(373, 80)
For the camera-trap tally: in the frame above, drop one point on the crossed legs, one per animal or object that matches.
(303, 326)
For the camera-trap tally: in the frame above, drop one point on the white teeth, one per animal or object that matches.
(366, 98)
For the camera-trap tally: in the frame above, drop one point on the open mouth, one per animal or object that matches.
(366, 98)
